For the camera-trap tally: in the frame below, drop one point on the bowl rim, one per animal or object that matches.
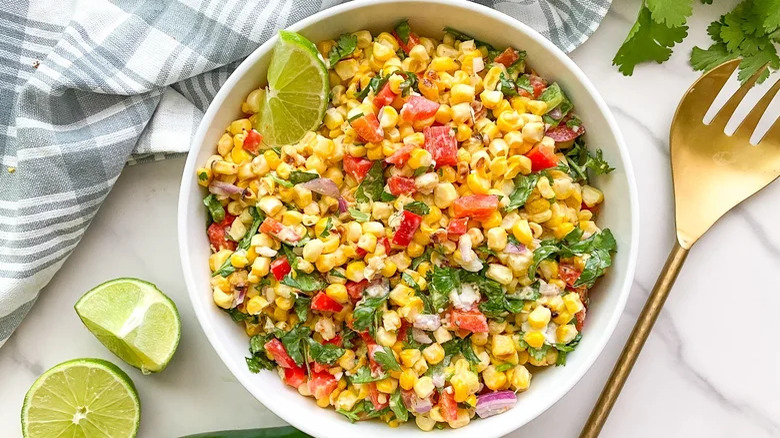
(187, 183)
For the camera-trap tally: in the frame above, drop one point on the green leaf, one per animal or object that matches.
(524, 83)
(366, 310)
(553, 96)
(539, 354)
(299, 176)
(280, 181)
(398, 407)
(344, 47)
(216, 210)
(238, 316)
(302, 305)
(305, 282)
(328, 225)
(673, 13)
(386, 360)
(751, 65)
(418, 207)
(257, 218)
(403, 31)
(326, 354)
(504, 367)
(492, 51)
(409, 84)
(372, 186)
(338, 274)
(710, 58)
(364, 375)
(375, 84)
(359, 215)
(293, 342)
(647, 41)
(546, 250)
(224, 270)
(424, 257)
(524, 186)
(770, 10)
(507, 86)
(442, 282)
(580, 160)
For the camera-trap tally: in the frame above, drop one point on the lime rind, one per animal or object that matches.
(134, 320)
(90, 396)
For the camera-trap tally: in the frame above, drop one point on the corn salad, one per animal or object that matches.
(427, 248)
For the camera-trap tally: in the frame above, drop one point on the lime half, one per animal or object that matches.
(134, 320)
(88, 398)
(297, 94)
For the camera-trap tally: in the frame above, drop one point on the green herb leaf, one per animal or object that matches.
(326, 354)
(302, 305)
(580, 160)
(492, 51)
(442, 282)
(507, 86)
(337, 273)
(424, 257)
(409, 84)
(673, 13)
(359, 215)
(403, 31)
(293, 342)
(299, 176)
(504, 367)
(305, 282)
(372, 186)
(375, 84)
(328, 225)
(344, 47)
(386, 360)
(366, 310)
(281, 182)
(216, 210)
(257, 218)
(364, 375)
(524, 186)
(398, 407)
(547, 249)
(239, 316)
(648, 40)
(418, 207)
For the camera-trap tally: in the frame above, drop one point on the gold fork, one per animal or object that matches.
(712, 173)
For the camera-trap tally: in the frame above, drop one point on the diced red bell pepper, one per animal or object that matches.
(441, 143)
(336, 340)
(448, 405)
(295, 376)
(542, 157)
(418, 108)
(278, 352)
(407, 46)
(319, 368)
(367, 127)
(384, 241)
(324, 303)
(470, 320)
(271, 226)
(385, 96)
(400, 156)
(401, 185)
(218, 234)
(357, 167)
(322, 384)
(476, 206)
(580, 316)
(507, 57)
(252, 142)
(457, 227)
(355, 290)
(373, 393)
(280, 267)
(409, 224)
(563, 132)
(568, 273)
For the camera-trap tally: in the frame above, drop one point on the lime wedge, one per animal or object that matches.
(134, 320)
(81, 398)
(295, 100)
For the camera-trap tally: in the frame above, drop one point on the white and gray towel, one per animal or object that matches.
(88, 86)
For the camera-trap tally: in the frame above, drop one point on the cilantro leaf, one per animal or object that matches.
(366, 310)
(647, 41)
(302, 305)
(386, 360)
(293, 342)
(418, 207)
(673, 13)
(216, 210)
(326, 354)
(344, 47)
(409, 84)
(328, 225)
(375, 84)
(442, 282)
(364, 375)
(524, 186)
(398, 407)
(280, 181)
(710, 58)
(299, 176)
(358, 215)
(258, 359)
(403, 31)
(305, 282)
(580, 160)
(507, 86)
(372, 186)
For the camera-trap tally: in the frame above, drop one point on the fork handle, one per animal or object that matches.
(635, 342)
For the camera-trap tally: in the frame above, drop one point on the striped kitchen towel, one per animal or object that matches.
(89, 85)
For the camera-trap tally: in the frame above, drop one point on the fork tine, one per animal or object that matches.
(751, 121)
(725, 113)
(698, 99)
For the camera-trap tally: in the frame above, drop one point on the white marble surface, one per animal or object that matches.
(711, 367)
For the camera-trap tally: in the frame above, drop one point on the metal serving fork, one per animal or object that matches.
(712, 173)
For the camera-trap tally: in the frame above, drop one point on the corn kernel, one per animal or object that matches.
(420, 158)
(423, 387)
(539, 317)
(407, 378)
(493, 378)
(337, 292)
(534, 339)
(521, 378)
(433, 354)
(573, 302)
(503, 345)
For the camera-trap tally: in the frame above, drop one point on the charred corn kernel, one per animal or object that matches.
(346, 400)
(355, 271)
(536, 107)
(388, 117)
(491, 98)
(464, 384)
(492, 76)
(443, 114)
(503, 345)
(375, 228)
(260, 266)
(414, 249)
(463, 133)
(420, 158)
(389, 269)
(337, 292)
(522, 232)
(539, 317)
(222, 167)
(461, 93)
(521, 378)
(323, 402)
(347, 360)
(238, 259)
(225, 144)
(284, 303)
(499, 273)
(407, 378)
(533, 132)
(346, 68)
(419, 53)
(423, 387)
(272, 159)
(325, 262)
(573, 302)
(385, 337)
(563, 317)
(363, 38)
(443, 63)
(424, 422)
(218, 259)
(330, 244)
(534, 339)
(493, 378)
(565, 333)
(204, 175)
(387, 385)
(543, 185)
(222, 299)
(591, 196)
(367, 242)
(255, 305)
(433, 353)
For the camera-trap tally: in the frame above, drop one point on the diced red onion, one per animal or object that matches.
(239, 297)
(494, 403)
(416, 404)
(549, 290)
(222, 188)
(427, 322)
(323, 186)
(421, 337)
(342, 205)
(478, 64)
(555, 113)
(513, 248)
(438, 379)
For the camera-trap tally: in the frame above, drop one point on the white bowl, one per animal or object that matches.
(619, 212)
